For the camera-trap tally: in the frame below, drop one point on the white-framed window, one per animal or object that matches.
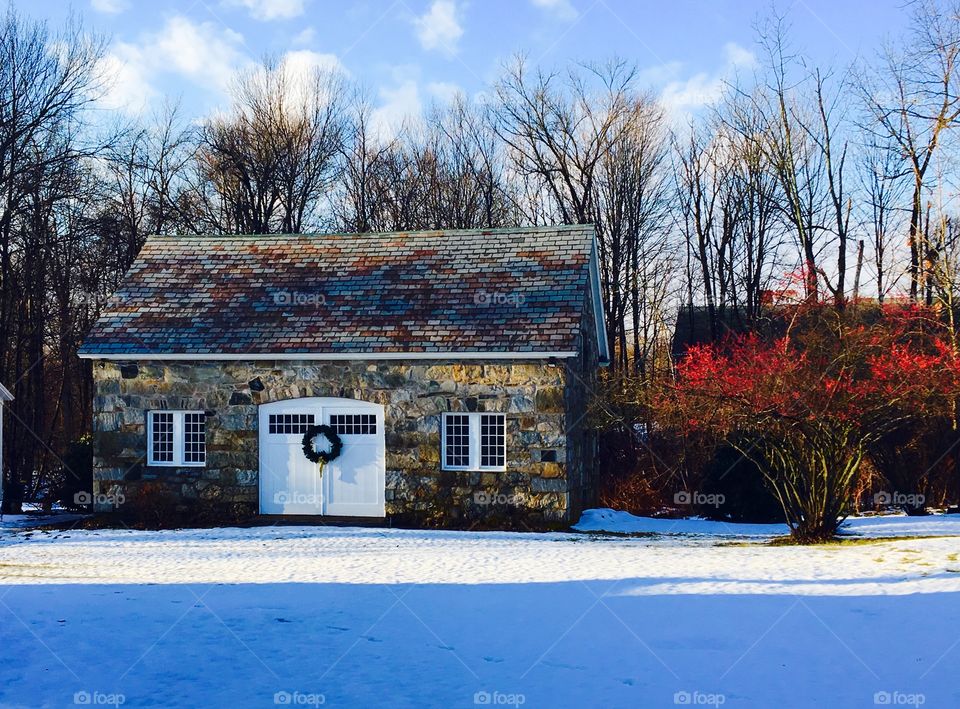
(473, 442)
(290, 424)
(177, 438)
(354, 424)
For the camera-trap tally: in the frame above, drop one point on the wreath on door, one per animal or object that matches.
(325, 455)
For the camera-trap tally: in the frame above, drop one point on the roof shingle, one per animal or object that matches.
(498, 290)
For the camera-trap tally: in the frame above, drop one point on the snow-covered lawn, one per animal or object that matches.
(874, 527)
(376, 617)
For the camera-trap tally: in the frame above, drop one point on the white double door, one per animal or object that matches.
(352, 485)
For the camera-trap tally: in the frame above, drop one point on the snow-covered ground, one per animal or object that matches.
(35, 518)
(618, 522)
(373, 617)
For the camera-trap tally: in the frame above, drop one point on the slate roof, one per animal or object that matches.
(500, 290)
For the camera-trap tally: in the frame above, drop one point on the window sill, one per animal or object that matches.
(151, 464)
(474, 470)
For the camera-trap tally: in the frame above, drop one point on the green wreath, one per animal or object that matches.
(322, 457)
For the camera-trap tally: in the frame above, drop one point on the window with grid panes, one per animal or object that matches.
(474, 441)
(354, 424)
(493, 453)
(286, 424)
(176, 438)
(456, 441)
(161, 445)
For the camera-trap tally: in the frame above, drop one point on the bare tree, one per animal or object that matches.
(559, 129)
(145, 170)
(833, 151)
(47, 80)
(358, 201)
(633, 201)
(275, 156)
(755, 203)
(587, 147)
(700, 174)
(797, 159)
(914, 99)
(884, 191)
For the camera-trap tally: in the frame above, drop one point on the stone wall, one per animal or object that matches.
(582, 454)
(535, 490)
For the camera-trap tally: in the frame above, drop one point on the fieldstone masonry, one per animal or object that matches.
(549, 474)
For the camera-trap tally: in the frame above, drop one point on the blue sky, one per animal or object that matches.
(411, 52)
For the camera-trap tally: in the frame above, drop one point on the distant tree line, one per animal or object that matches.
(817, 183)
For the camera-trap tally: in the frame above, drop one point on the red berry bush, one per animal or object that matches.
(806, 401)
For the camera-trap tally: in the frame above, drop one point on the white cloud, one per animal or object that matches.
(204, 53)
(444, 92)
(270, 9)
(439, 27)
(304, 62)
(402, 103)
(739, 57)
(693, 93)
(300, 68)
(398, 104)
(683, 97)
(125, 76)
(110, 7)
(299, 71)
(561, 8)
(659, 74)
(305, 37)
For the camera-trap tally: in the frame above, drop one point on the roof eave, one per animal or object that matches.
(603, 346)
(323, 356)
(5, 394)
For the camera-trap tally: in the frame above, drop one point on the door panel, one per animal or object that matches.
(351, 485)
(289, 483)
(355, 481)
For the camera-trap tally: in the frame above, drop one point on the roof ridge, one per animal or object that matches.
(413, 232)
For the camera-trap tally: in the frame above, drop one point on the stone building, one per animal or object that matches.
(426, 378)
